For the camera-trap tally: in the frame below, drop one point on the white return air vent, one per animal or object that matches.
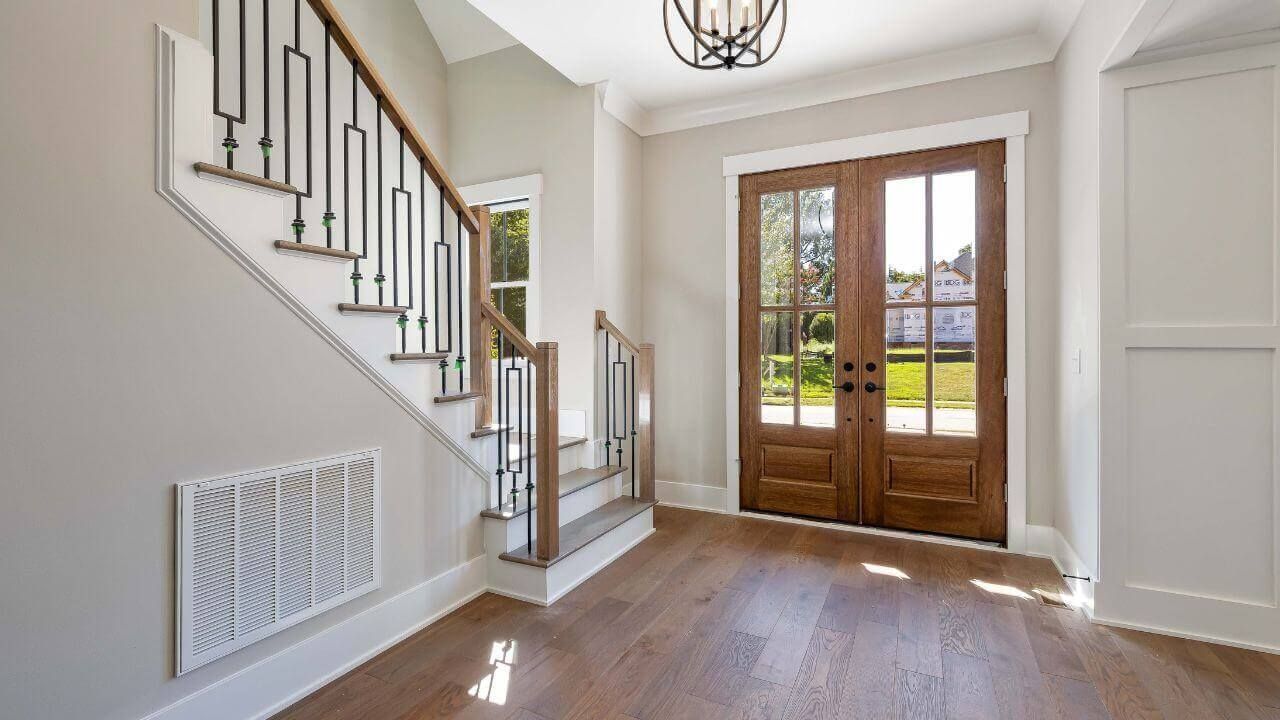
(260, 551)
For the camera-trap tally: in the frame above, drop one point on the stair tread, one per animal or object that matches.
(372, 309)
(517, 444)
(458, 397)
(319, 251)
(418, 357)
(570, 483)
(485, 431)
(581, 532)
(246, 178)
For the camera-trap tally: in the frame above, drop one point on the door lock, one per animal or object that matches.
(871, 387)
(847, 386)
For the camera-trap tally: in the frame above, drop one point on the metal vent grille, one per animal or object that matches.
(261, 551)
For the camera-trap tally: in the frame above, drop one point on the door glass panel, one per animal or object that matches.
(817, 369)
(777, 366)
(905, 363)
(954, 377)
(955, 226)
(777, 249)
(904, 252)
(817, 246)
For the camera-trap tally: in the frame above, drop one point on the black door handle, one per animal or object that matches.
(847, 386)
(871, 387)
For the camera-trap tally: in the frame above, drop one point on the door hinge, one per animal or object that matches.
(1006, 279)
(1006, 387)
(1006, 493)
(1006, 172)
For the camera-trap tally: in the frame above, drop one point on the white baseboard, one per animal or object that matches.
(274, 683)
(694, 497)
(1047, 542)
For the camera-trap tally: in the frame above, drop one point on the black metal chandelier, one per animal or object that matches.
(726, 33)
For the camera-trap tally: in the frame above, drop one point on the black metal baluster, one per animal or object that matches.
(519, 427)
(264, 143)
(229, 142)
(620, 428)
(447, 346)
(461, 360)
(298, 225)
(528, 440)
(608, 415)
(379, 279)
(501, 420)
(329, 217)
(635, 422)
(402, 322)
(347, 129)
(422, 223)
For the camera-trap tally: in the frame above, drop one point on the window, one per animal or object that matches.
(509, 261)
(515, 207)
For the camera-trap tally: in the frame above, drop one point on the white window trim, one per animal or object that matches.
(519, 188)
(1013, 129)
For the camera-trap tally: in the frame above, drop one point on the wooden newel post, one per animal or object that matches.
(547, 447)
(645, 445)
(481, 328)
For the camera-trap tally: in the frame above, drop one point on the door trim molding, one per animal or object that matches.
(1010, 127)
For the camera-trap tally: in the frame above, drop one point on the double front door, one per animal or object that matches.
(873, 341)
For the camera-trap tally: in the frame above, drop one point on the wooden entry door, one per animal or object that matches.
(798, 299)
(911, 433)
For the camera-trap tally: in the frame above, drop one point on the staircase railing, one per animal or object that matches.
(628, 405)
(386, 222)
(526, 382)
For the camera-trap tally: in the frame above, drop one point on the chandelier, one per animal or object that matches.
(726, 33)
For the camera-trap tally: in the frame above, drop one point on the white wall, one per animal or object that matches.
(1075, 485)
(137, 355)
(511, 114)
(684, 256)
(618, 208)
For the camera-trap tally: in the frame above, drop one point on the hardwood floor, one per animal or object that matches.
(717, 617)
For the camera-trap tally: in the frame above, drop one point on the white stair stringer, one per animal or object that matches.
(245, 221)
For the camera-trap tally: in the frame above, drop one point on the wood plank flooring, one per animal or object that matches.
(725, 618)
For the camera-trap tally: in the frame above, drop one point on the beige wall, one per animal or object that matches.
(511, 114)
(138, 355)
(618, 206)
(684, 255)
(1076, 474)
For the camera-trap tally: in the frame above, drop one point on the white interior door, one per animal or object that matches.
(1190, 335)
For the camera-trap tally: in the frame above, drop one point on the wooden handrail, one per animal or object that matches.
(512, 333)
(346, 41)
(481, 327)
(602, 323)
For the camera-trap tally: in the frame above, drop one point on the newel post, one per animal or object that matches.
(547, 447)
(481, 328)
(645, 444)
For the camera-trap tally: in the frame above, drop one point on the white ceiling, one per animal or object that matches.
(461, 31)
(833, 49)
(1201, 21)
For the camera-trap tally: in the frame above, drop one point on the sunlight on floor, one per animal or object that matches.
(998, 589)
(1057, 598)
(886, 570)
(493, 687)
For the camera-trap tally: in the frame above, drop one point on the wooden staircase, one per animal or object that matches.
(556, 513)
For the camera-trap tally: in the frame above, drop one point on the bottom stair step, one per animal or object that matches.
(570, 483)
(581, 532)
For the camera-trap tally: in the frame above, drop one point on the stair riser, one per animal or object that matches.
(511, 534)
(545, 586)
(570, 460)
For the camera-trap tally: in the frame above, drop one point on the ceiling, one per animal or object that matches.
(461, 31)
(1185, 23)
(833, 49)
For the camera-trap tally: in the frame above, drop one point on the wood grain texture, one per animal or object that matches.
(653, 636)
(246, 178)
(548, 460)
(481, 329)
(646, 392)
(320, 251)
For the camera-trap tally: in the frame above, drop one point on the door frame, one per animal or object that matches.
(1013, 129)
